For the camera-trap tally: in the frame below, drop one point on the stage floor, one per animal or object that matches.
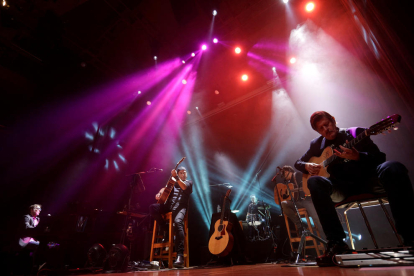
(277, 269)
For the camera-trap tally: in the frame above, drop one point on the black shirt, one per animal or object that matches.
(180, 197)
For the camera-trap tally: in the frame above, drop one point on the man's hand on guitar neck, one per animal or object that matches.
(351, 154)
(313, 168)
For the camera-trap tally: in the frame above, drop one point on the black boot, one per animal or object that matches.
(333, 248)
(179, 263)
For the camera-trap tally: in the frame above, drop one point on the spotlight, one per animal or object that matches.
(217, 92)
(96, 255)
(118, 258)
(214, 12)
(184, 81)
(193, 54)
(292, 60)
(215, 40)
(245, 77)
(188, 112)
(148, 103)
(155, 57)
(197, 107)
(274, 69)
(183, 61)
(237, 50)
(204, 47)
(139, 92)
(285, 1)
(310, 6)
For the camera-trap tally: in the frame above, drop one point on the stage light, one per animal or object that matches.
(155, 57)
(188, 112)
(274, 69)
(285, 1)
(96, 255)
(197, 107)
(310, 6)
(184, 81)
(292, 60)
(215, 40)
(139, 92)
(193, 54)
(183, 61)
(237, 50)
(245, 77)
(204, 47)
(214, 12)
(217, 92)
(148, 103)
(118, 258)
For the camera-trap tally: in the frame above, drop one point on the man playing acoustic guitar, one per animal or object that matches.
(177, 203)
(358, 170)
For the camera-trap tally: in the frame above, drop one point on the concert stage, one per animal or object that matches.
(278, 269)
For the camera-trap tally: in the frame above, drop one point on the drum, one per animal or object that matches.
(254, 219)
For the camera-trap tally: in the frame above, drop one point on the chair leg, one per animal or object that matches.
(390, 222)
(348, 227)
(368, 225)
(289, 234)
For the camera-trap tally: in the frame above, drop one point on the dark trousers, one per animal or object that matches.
(391, 175)
(178, 214)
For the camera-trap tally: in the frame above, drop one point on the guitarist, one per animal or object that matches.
(366, 171)
(289, 176)
(177, 203)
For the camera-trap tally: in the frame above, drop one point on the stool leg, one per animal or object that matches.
(315, 244)
(347, 225)
(289, 234)
(368, 225)
(390, 222)
(171, 243)
(153, 241)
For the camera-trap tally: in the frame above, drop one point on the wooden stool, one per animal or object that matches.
(318, 247)
(164, 254)
(364, 200)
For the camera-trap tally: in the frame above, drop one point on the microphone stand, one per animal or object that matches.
(305, 233)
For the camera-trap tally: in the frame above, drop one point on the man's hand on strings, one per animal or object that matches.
(313, 168)
(351, 154)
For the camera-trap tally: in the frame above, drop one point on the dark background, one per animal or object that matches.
(68, 68)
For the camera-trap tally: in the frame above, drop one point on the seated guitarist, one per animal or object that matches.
(365, 172)
(289, 176)
(177, 203)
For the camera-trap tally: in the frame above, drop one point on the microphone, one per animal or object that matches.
(274, 177)
(279, 168)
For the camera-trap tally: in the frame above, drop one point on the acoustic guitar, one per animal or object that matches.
(328, 156)
(281, 192)
(221, 242)
(166, 191)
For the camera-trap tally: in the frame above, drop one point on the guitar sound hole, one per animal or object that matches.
(220, 228)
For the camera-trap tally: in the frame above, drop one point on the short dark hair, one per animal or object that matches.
(181, 169)
(318, 115)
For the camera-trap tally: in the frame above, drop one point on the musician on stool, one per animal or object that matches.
(366, 171)
(177, 203)
(289, 176)
(27, 229)
(252, 216)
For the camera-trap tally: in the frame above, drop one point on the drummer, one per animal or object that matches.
(252, 216)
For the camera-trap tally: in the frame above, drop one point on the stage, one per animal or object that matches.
(278, 269)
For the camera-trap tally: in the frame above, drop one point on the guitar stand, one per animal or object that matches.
(305, 233)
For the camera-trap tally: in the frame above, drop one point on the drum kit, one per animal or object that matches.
(260, 222)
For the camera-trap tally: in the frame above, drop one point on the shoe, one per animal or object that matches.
(179, 263)
(332, 249)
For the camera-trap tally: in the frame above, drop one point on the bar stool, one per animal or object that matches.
(318, 247)
(169, 254)
(364, 200)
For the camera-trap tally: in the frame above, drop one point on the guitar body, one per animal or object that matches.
(281, 193)
(221, 242)
(327, 152)
(167, 191)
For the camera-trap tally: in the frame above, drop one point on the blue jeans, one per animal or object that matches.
(391, 176)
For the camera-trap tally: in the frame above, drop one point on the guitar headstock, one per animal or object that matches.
(228, 193)
(385, 124)
(179, 162)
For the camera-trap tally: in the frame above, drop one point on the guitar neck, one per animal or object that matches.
(222, 211)
(351, 144)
